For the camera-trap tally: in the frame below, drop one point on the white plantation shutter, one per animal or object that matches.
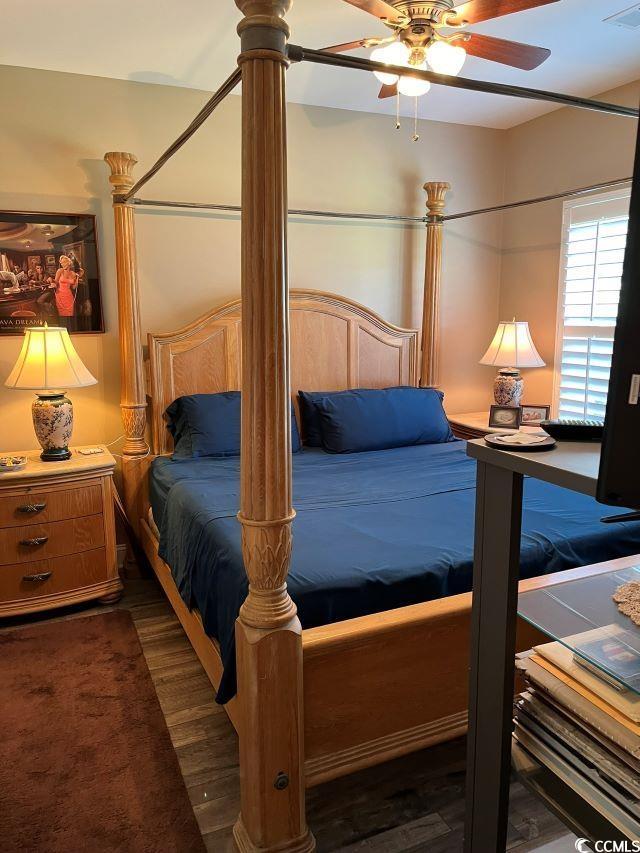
(594, 239)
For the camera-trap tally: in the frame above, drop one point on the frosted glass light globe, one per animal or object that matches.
(412, 87)
(446, 58)
(395, 53)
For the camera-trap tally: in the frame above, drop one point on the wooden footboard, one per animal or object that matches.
(379, 686)
(384, 685)
(388, 684)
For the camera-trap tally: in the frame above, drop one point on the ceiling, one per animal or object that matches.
(156, 41)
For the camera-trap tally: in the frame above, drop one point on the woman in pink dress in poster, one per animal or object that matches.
(66, 285)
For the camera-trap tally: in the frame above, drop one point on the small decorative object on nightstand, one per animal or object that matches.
(57, 534)
(47, 364)
(510, 349)
(533, 415)
(505, 417)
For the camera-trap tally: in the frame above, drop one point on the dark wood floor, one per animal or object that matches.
(409, 805)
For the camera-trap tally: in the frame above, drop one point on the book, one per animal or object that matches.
(589, 792)
(583, 769)
(585, 705)
(594, 698)
(564, 734)
(584, 821)
(539, 700)
(627, 702)
(612, 648)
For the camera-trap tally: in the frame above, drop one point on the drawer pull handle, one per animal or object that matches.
(37, 540)
(43, 576)
(31, 508)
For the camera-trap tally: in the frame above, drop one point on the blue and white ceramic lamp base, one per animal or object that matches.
(508, 387)
(53, 423)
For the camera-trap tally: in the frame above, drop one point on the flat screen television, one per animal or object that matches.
(619, 477)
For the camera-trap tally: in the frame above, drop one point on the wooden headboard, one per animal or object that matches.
(335, 344)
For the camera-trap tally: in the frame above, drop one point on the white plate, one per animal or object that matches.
(504, 441)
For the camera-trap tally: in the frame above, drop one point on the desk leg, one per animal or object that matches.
(493, 634)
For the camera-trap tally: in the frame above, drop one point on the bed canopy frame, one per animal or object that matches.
(268, 710)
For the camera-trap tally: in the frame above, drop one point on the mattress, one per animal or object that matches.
(373, 531)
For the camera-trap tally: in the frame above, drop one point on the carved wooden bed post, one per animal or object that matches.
(268, 632)
(133, 397)
(430, 367)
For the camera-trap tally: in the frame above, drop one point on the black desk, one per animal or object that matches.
(493, 622)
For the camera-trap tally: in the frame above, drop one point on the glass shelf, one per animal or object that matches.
(582, 615)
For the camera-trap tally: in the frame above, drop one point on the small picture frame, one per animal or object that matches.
(505, 417)
(534, 415)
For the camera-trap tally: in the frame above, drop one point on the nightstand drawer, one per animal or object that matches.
(43, 541)
(466, 432)
(28, 507)
(49, 577)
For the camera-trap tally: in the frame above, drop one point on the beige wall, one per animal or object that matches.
(52, 140)
(565, 149)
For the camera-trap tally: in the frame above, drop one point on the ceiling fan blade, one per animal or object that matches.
(388, 91)
(380, 9)
(524, 56)
(484, 10)
(352, 45)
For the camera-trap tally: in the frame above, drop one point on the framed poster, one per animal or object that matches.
(49, 272)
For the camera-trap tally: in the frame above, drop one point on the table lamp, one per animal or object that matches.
(47, 364)
(510, 349)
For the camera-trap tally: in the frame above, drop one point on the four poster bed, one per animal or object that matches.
(317, 703)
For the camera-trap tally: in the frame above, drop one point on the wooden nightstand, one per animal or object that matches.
(473, 425)
(57, 534)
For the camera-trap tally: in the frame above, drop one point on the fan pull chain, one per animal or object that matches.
(416, 135)
(397, 109)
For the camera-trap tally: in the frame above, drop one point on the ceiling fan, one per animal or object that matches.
(418, 40)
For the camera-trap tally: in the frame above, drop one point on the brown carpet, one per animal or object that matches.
(86, 761)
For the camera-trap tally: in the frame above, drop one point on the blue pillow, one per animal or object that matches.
(310, 416)
(372, 419)
(209, 425)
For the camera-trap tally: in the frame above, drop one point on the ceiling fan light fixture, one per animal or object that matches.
(395, 53)
(445, 58)
(411, 86)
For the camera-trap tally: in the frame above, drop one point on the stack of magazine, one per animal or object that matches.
(582, 724)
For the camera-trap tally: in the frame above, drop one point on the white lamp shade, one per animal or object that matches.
(512, 347)
(411, 86)
(48, 361)
(445, 58)
(395, 53)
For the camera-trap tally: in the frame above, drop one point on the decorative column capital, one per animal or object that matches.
(264, 14)
(121, 164)
(436, 194)
(266, 549)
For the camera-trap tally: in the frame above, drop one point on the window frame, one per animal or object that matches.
(589, 331)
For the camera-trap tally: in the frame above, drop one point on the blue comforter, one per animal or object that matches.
(373, 531)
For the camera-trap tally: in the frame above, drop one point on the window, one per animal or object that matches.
(593, 243)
